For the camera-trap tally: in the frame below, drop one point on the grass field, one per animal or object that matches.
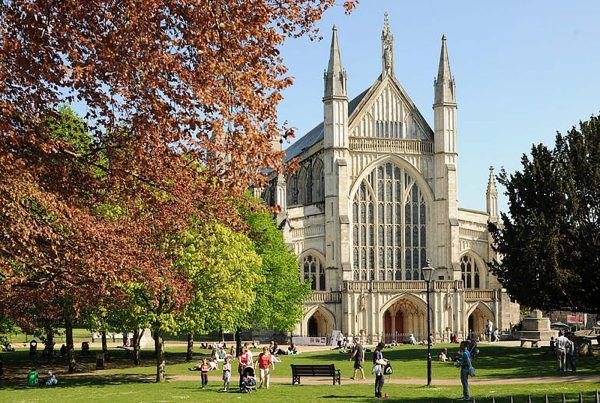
(121, 390)
(121, 382)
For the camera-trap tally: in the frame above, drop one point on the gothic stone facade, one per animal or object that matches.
(375, 197)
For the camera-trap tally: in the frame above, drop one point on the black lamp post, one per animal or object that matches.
(427, 274)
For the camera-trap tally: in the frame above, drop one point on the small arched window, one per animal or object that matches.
(470, 272)
(313, 272)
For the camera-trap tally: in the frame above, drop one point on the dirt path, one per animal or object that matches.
(419, 381)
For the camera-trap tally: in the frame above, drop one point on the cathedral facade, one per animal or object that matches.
(374, 199)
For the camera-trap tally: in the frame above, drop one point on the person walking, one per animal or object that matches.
(204, 368)
(561, 351)
(226, 374)
(265, 362)
(465, 367)
(379, 364)
(570, 359)
(359, 357)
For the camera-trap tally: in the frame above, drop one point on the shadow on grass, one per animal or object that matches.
(83, 380)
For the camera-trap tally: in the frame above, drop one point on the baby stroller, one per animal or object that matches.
(248, 380)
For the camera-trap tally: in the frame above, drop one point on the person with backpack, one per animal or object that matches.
(466, 369)
(570, 356)
(379, 364)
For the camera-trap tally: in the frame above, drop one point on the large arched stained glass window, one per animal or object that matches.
(313, 272)
(389, 226)
(470, 272)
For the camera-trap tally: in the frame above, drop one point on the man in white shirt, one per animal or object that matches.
(561, 351)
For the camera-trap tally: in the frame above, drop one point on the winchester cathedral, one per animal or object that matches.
(374, 198)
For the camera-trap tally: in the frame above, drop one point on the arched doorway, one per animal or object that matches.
(404, 317)
(320, 324)
(477, 320)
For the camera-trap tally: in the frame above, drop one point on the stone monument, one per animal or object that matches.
(536, 327)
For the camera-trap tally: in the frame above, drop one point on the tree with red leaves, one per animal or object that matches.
(180, 99)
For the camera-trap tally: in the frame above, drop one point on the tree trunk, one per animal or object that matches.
(49, 345)
(70, 346)
(238, 341)
(104, 346)
(159, 350)
(137, 336)
(190, 346)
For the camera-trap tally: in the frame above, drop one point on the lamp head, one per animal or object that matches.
(427, 272)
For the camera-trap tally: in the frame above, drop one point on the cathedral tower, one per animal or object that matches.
(336, 157)
(445, 161)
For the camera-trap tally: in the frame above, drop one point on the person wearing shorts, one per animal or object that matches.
(359, 358)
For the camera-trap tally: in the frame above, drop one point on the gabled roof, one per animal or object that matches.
(316, 134)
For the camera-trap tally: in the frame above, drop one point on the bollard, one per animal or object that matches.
(529, 399)
(597, 399)
(546, 401)
(564, 399)
(493, 399)
(580, 397)
(511, 399)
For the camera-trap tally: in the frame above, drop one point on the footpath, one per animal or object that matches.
(420, 381)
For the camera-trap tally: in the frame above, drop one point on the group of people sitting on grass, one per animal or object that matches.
(33, 379)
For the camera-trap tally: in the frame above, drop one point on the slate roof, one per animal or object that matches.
(316, 134)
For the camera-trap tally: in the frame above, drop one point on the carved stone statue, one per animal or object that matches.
(362, 302)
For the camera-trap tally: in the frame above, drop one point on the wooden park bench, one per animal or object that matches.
(315, 370)
(534, 342)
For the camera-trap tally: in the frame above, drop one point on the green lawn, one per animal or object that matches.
(122, 390)
(122, 382)
(410, 362)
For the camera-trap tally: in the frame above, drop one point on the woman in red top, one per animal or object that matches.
(204, 368)
(265, 361)
(245, 360)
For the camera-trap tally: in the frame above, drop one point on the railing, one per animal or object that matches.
(401, 146)
(308, 232)
(481, 295)
(408, 285)
(324, 297)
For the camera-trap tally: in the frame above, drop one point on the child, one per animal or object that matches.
(226, 374)
(204, 368)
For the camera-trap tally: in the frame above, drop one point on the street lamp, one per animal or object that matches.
(427, 274)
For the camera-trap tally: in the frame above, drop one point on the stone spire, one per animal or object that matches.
(444, 83)
(492, 197)
(335, 76)
(387, 48)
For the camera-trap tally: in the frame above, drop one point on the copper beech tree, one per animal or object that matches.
(180, 99)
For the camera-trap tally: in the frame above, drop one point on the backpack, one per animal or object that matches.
(387, 370)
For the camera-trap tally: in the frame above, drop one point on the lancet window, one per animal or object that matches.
(313, 272)
(470, 272)
(389, 218)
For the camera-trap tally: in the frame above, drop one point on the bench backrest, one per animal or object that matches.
(313, 370)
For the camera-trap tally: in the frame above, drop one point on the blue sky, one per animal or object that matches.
(523, 70)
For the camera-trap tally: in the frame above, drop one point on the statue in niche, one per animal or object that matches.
(387, 55)
(362, 301)
(448, 299)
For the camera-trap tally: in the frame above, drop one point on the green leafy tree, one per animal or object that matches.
(549, 242)
(279, 300)
(224, 271)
